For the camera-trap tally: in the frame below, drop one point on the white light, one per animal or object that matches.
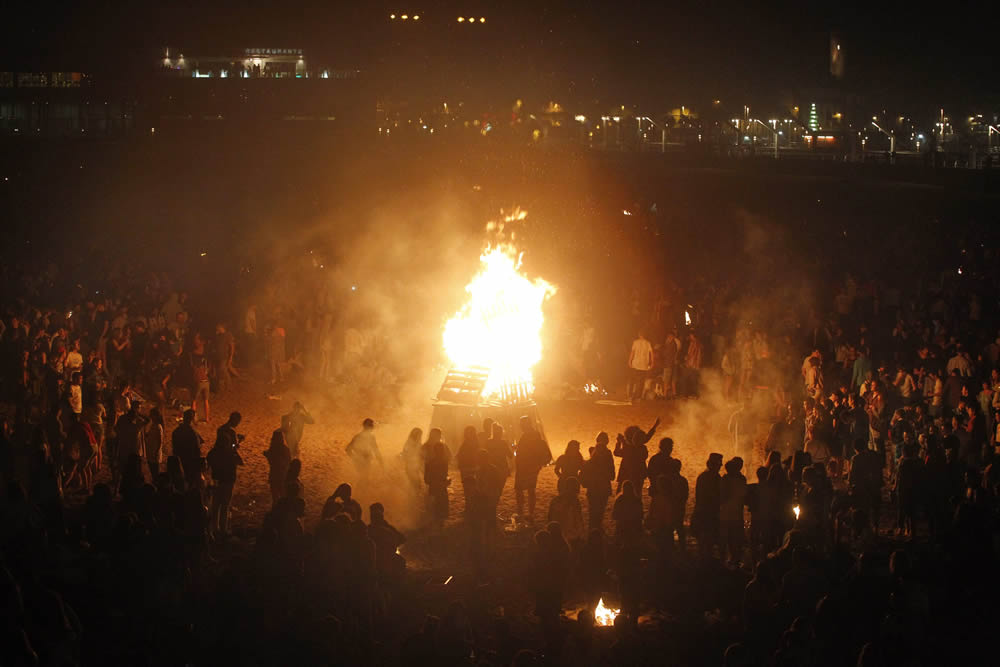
(203, 254)
(472, 19)
(959, 270)
(354, 288)
(392, 17)
(404, 17)
(687, 318)
(796, 510)
(416, 17)
(482, 19)
(616, 118)
(461, 19)
(626, 212)
(581, 119)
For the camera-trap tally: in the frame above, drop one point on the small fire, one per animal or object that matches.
(605, 616)
(499, 327)
(796, 510)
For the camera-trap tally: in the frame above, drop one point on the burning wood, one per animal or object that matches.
(605, 616)
(499, 327)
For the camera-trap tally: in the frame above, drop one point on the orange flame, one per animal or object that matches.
(499, 327)
(604, 615)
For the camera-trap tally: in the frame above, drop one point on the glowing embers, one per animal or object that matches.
(499, 327)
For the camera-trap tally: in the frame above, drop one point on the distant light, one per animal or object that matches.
(203, 254)
(959, 270)
(354, 288)
(838, 47)
(581, 119)
(687, 318)
(152, 130)
(461, 19)
(392, 16)
(416, 17)
(616, 118)
(796, 510)
(626, 212)
(920, 136)
(404, 17)
(482, 19)
(472, 19)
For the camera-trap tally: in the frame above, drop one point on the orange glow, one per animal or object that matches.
(605, 616)
(500, 325)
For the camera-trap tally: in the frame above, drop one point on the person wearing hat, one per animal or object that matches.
(597, 475)
(708, 505)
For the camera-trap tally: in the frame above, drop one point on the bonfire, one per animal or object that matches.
(498, 330)
(605, 616)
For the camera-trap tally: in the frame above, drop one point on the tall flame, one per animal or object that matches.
(499, 327)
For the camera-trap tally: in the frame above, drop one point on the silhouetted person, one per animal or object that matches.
(631, 447)
(733, 490)
(659, 462)
(677, 494)
(531, 455)
(627, 514)
(278, 458)
(598, 473)
(501, 456)
(293, 424)
(467, 459)
(437, 458)
(186, 443)
(570, 462)
(565, 510)
(707, 506)
(223, 459)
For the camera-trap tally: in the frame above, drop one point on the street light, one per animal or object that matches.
(892, 137)
(989, 137)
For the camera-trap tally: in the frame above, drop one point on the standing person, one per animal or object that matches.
(411, 459)
(294, 424)
(154, 443)
(202, 385)
(570, 462)
(597, 475)
(707, 505)
(437, 458)
(278, 458)
(186, 446)
(501, 456)
(531, 455)
(467, 459)
(659, 462)
(631, 447)
(669, 354)
(76, 393)
(733, 492)
(677, 492)
(692, 365)
(223, 459)
(363, 449)
(225, 349)
(277, 353)
(566, 511)
(627, 514)
(129, 430)
(640, 362)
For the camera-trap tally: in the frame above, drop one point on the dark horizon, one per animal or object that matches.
(636, 52)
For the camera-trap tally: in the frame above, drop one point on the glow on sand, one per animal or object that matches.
(500, 325)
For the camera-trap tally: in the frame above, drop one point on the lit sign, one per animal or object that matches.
(273, 52)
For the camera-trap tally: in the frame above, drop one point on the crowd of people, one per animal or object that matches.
(859, 528)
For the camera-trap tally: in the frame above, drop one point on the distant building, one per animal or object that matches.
(37, 104)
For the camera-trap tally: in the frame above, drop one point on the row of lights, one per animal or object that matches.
(404, 17)
(471, 19)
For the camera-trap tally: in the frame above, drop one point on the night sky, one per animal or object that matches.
(647, 53)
